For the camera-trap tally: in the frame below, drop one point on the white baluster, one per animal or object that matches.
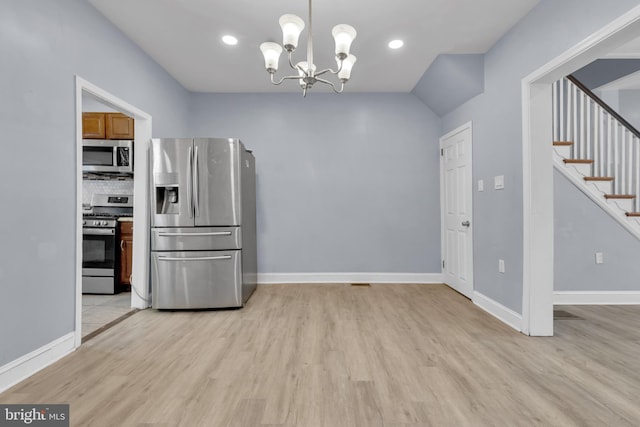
(616, 157)
(603, 127)
(554, 110)
(567, 127)
(589, 139)
(620, 158)
(609, 143)
(563, 130)
(629, 162)
(574, 101)
(582, 121)
(624, 154)
(637, 170)
(596, 140)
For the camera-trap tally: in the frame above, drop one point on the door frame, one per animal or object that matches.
(443, 246)
(537, 185)
(142, 129)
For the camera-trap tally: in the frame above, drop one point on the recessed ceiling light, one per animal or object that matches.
(396, 44)
(230, 40)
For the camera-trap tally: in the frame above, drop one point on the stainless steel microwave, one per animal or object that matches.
(107, 156)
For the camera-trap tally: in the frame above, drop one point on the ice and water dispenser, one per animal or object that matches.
(167, 193)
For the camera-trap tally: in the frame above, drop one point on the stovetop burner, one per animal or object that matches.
(107, 207)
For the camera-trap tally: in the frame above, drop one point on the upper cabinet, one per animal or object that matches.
(93, 126)
(119, 126)
(107, 126)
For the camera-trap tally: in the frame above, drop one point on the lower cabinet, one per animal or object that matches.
(126, 254)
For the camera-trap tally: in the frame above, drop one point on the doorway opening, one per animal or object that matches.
(140, 292)
(538, 223)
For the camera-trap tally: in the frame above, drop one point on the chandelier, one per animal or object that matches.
(292, 26)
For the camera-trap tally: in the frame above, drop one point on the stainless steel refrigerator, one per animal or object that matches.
(203, 223)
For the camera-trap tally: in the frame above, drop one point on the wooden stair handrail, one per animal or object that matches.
(604, 105)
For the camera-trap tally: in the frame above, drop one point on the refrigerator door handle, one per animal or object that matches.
(214, 233)
(196, 184)
(201, 258)
(190, 182)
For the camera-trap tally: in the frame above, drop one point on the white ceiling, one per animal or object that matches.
(183, 36)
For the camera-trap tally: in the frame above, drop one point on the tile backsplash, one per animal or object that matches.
(91, 187)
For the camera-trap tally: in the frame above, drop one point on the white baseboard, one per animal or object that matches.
(20, 369)
(498, 311)
(302, 278)
(596, 298)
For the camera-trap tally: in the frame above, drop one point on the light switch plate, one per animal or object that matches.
(498, 182)
(500, 266)
(480, 185)
(599, 258)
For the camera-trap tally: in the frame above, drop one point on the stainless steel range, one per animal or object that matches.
(99, 237)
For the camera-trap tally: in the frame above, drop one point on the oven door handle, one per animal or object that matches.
(200, 258)
(99, 231)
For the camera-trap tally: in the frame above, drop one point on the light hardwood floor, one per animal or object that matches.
(334, 355)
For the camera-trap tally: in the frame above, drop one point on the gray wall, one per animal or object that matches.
(582, 228)
(346, 183)
(43, 44)
(629, 106)
(549, 29)
(91, 104)
(450, 81)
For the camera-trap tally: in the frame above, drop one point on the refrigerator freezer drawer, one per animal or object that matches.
(196, 279)
(195, 238)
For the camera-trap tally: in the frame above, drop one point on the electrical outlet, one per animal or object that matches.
(599, 258)
(480, 185)
(498, 182)
(500, 266)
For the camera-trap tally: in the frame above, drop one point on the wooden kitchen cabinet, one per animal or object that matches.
(107, 126)
(94, 126)
(119, 126)
(126, 254)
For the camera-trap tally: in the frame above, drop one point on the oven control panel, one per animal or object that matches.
(99, 222)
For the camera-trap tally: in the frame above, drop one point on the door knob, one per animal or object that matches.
(466, 223)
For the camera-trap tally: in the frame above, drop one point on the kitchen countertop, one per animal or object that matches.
(125, 219)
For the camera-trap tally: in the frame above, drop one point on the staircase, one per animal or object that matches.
(598, 151)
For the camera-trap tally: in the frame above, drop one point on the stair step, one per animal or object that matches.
(619, 196)
(599, 178)
(633, 214)
(562, 143)
(578, 161)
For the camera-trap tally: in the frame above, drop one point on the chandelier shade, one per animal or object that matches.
(343, 35)
(271, 52)
(306, 71)
(347, 65)
(292, 26)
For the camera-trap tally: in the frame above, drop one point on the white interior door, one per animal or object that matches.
(457, 224)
